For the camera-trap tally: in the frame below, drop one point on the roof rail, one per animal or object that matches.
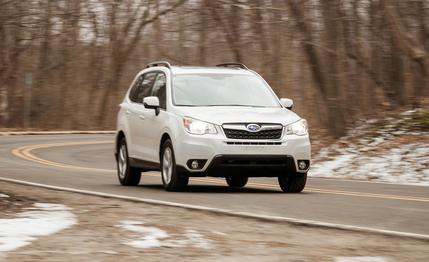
(239, 65)
(159, 63)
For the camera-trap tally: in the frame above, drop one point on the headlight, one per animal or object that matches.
(198, 127)
(299, 128)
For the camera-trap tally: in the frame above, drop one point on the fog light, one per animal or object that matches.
(194, 164)
(302, 165)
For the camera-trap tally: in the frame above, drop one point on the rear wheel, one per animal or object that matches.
(238, 181)
(171, 178)
(293, 183)
(127, 175)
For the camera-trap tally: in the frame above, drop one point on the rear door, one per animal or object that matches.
(125, 118)
(137, 116)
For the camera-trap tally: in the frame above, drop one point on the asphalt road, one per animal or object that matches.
(87, 162)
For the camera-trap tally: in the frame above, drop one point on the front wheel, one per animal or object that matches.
(236, 181)
(171, 178)
(127, 175)
(293, 183)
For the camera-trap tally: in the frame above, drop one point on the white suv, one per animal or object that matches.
(222, 121)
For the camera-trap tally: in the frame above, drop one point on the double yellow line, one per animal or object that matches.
(25, 152)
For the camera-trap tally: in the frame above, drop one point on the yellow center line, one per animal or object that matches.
(25, 152)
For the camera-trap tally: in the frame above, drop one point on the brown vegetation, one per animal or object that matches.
(66, 64)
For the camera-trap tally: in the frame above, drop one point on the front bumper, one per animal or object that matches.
(257, 158)
(247, 165)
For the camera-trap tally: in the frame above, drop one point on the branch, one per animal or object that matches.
(407, 43)
(315, 61)
(144, 22)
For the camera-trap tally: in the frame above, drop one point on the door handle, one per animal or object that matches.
(141, 117)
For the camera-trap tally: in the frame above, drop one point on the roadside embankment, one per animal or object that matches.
(105, 229)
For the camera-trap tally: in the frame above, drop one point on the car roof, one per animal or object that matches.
(178, 70)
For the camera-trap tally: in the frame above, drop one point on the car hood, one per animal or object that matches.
(236, 114)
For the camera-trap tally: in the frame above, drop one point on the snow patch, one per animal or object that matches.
(365, 158)
(195, 239)
(108, 252)
(218, 233)
(152, 237)
(3, 196)
(40, 220)
(405, 164)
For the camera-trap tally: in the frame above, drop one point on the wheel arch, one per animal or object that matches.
(120, 135)
(164, 138)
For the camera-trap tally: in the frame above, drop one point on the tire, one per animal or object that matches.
(236, 181)
(127, 175)
(294, 183)
(171, 178)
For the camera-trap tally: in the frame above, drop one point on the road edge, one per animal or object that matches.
(269, 218)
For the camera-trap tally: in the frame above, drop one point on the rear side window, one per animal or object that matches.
(159, 90)
(144, 87)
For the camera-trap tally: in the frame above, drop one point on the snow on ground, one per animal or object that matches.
(40, 220)
(151, 237)
(392, 153)
(195, 239)
(3, 196)
(407, 163)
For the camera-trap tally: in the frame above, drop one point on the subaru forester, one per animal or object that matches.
(221, 121)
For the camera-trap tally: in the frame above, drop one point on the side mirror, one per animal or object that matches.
(286, 102)
(151, 102)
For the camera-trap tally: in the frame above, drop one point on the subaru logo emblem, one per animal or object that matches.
(253, 127)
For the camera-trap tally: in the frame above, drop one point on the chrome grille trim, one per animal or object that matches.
(243, 126)
(240, 131)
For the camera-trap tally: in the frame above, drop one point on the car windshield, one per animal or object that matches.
(222, 90)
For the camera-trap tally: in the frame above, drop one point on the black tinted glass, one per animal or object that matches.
(145, 86)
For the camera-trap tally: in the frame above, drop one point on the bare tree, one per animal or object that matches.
(123, 40)
(341, 60)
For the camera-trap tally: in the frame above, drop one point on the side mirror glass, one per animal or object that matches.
(287, 102)
(151, 102)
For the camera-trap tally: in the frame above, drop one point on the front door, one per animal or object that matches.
(154, 124)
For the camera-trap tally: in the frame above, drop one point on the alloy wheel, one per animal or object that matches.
(122, 161)
(167, 165)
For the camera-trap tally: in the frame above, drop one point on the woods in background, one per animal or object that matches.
(66, 64)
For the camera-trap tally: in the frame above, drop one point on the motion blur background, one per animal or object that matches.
(357, 70)
(66, 64)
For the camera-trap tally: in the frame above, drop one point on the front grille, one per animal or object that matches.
(254, 143)
(243, 134)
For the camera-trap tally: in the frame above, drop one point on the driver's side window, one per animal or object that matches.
(142, 87)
